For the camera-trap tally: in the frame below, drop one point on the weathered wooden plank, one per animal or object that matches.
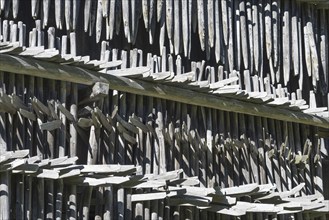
(61, 138)
(275, 34)
(282, 141)
(222, 160)
(229, 150)
(261, 150)
(110, 20)
(148, 118)
(135, 15)
(85, 204)
(118, 15)
(15, 8)
(39, 212)
(253, 150)
(122, 147)
(307, 148)
(105, 8)
(295, 50)
(225, 21)
(67, 13)
(160, 119)
(268, 29)
(27, 62)
(300, 34)
(51, 37)
(177, 27)
(218, 32)
(4, 176)
(286, 34)
(162, 31)
(170, 21)
(75, 13)
(230, 45)
(210, 22)
(19, 145)
(113, 136)
(145, 10)
(21, 33)
(13, 32)
(4, 30)
(93, 17)
(235, 148)
(52, 125)
(307, 47)
(185, 155)
(313, 47)
(177, 151)
(58, 14)
(126, 20)
(249, 33)
(87, 10)
(73, 149)
(99, 19)
(186, 28)
(100, 199)
(324, 51)
(298, 151)
(209, 148)
(236, 24)
(262, 47)
(154, 210)
(256, 35)
(148, 196)
(34, 8)
(244, 33)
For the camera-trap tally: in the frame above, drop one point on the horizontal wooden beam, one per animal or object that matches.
(49, 70)
(212, 101)
(34, 67)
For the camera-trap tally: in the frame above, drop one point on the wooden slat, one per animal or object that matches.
(169, 12)
(110, 20)
(58, 14)
(99, 19)
(177, 27)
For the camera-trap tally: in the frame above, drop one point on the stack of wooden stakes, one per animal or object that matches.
(97, 187)
(94, 123)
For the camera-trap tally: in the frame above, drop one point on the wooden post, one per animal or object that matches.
(62, 149)
(148, 115)
(139, 152)
(72, 207)
(20, 141)
(253, 150)
(85, 203)
(4, 176)
(29, 144)
(261, 148)
(267, 147)
(121, 156)
(51, 140)
(244, 153)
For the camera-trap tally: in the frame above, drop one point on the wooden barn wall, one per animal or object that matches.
(220, 148)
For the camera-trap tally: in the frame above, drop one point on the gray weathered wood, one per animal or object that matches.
(58, 14)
